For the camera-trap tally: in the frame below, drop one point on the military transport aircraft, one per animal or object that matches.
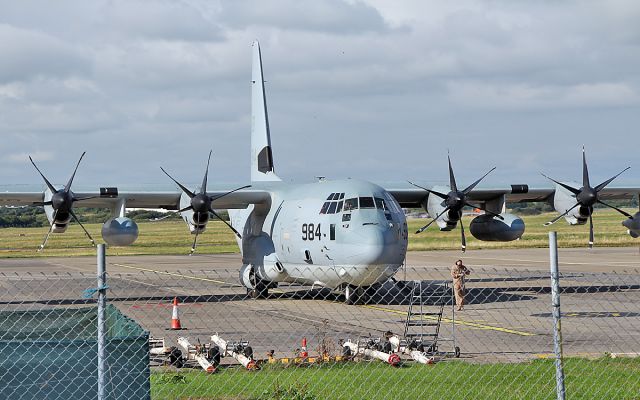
(342, 234)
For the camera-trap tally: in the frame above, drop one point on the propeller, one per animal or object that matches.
(587, 196)
(62, 202)
(455, 201)
(200, 203)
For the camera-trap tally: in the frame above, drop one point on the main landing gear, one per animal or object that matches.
(355, 295)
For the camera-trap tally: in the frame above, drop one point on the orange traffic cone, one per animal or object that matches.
(175, 318)
(303, 349)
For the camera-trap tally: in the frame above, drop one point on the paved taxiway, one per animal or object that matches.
(508, 317)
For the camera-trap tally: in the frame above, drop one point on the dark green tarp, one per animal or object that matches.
(52, 354)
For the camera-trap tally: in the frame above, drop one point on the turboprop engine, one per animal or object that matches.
(563, 200)
(490, 228)
(633, 225)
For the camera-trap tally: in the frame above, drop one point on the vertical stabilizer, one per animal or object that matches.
(261, 155)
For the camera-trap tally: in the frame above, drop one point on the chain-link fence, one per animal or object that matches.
(406, 339)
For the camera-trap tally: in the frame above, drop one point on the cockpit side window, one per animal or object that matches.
(380, 203)
(392, 204)
(367, 202)
(350, 204)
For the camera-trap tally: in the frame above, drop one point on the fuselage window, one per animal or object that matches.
(350, 204)
(367, 202)
(332, 208)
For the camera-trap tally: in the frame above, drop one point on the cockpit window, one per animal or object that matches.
(350, 204)
(332, 206)
(380, 203)
(367, 202)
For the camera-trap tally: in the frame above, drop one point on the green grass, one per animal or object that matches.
(585, 379)
(172, 237)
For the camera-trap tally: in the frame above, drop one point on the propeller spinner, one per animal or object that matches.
(62, 202)
(587, 196)
(455, 201)
(200, 203)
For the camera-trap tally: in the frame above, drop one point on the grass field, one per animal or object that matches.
(172, 237)
(585, 379)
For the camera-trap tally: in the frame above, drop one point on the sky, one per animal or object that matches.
(372, 89)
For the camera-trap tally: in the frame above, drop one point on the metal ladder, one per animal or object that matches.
(428, 322)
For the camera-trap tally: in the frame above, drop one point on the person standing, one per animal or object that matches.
(458, 273)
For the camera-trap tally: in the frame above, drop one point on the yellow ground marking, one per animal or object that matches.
(175, 274)
(187, 276)
(457, 322)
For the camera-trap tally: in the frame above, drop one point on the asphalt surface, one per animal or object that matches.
(508, 316)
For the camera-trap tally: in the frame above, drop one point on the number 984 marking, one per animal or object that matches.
(311, 232)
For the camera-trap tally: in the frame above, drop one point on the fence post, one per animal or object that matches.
(555, 302)
(102, 304)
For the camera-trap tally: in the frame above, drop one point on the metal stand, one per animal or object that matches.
(428, 337)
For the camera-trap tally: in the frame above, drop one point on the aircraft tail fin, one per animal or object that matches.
(262, 168)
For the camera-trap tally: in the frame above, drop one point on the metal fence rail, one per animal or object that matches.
(505, 336)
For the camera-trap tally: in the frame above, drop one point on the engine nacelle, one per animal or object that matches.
(633, 225)
(434, 207)
(492, 229)
(120, 231)
(564, 200)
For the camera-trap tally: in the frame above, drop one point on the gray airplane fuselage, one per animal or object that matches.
(329, 233)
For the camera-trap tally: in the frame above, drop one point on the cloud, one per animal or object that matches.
(333, 17)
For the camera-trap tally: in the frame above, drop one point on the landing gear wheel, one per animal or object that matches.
(456, 352)
(260, 288)
(354, 295)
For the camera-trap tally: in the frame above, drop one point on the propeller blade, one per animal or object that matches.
(203, 188)
(195, 240)
(185, 209)
(75, 217)
(561, 215)
(626, 214)
(46, 237)
(564, 185)
(433, 220)
(42, 203)
(608, 181)
(84, 198)
(452, 178)
(464, 240)
(67, 187)
(49, 185)
(214, 198)
(184, 189)
(441, 195)
(585, 170)
(226, 223)
(500, 217)
(590, 228)
(474, 184)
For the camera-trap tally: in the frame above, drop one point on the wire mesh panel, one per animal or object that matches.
(302, 341)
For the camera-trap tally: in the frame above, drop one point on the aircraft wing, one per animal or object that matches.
(410, 196)
(169, 200)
